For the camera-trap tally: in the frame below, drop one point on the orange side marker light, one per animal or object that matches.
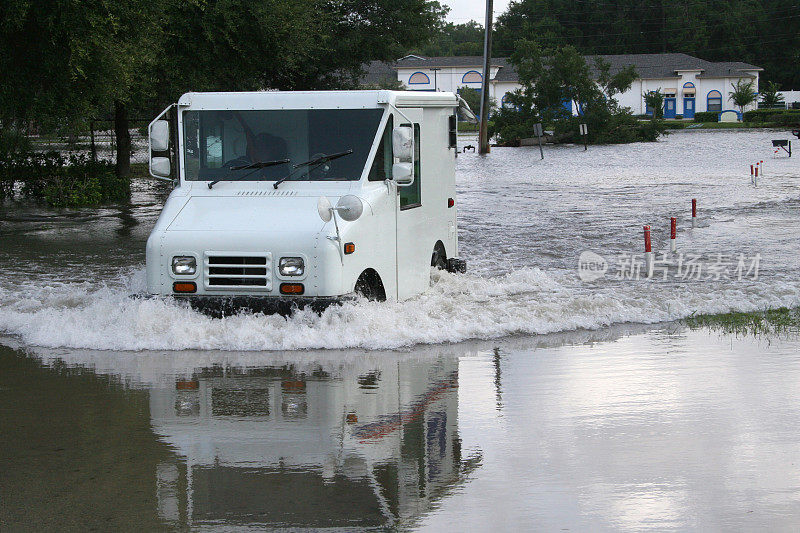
(184, 286)
(292, 288)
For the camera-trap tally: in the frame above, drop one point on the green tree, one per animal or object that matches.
(771, 96)
(473, 99)
(454, 40)
(65, 62)
(73, 61)
(712, 30)
(286, 44)
(743, 94)
(655, 101)
(549, 80)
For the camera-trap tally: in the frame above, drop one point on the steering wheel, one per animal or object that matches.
(320, 171)
(239, 161)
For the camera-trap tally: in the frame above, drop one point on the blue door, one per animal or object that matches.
(669, 108)
(688, 108)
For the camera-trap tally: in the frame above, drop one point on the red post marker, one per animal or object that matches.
(751, 170)
(694, 211)
(756, 171)
(673, 232)
(648, 252)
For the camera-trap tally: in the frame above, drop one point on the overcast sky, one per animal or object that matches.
(465, 10)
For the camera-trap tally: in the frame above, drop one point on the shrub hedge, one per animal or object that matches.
(60, 181)
(706, 116)
(778, 117)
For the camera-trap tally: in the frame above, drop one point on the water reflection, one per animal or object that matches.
(366, 444)
(619, 429)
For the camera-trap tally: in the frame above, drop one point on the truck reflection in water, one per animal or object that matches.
(358, 445)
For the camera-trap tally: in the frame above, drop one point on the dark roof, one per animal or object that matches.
(648, 66)
(654, 66)
(449, 61)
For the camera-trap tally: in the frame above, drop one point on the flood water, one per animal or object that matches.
(516, 395)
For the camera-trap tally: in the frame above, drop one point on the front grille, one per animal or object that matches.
(228, 270)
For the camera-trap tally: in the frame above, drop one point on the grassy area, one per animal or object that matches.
(782, 321)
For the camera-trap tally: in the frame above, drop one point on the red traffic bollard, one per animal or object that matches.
(648, 252)
(673, 232)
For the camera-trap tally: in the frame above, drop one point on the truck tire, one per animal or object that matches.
(370, 286)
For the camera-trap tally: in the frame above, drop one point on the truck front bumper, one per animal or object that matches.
(221, 306)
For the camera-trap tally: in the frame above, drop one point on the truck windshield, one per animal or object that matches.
(218, 145)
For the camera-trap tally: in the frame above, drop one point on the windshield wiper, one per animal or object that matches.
(312, 163)
(255, 166)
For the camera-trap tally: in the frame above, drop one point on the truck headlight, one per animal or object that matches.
(184, 265)
(291, 266)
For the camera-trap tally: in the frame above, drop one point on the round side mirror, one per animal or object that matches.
(324, 208)
(350, 207)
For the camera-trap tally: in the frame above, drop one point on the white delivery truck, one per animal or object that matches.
(292, 198)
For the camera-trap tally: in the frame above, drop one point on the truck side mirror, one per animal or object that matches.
(403, 173)
(160, 167)
(160, 156)
(159, 136)
(403, 143)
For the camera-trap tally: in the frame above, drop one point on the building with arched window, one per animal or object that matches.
(419, 78)
(714, 101)
(690, 84)
(472, 76)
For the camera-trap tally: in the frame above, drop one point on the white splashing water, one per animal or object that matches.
(523, 224)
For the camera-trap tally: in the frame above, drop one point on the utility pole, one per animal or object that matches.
(435, 79)
(487, 56)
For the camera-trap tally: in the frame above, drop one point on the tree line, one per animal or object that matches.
(67, 62)
(760, 32)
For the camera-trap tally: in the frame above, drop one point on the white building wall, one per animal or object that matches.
(790, 96)
(450, 79)
(445, 79)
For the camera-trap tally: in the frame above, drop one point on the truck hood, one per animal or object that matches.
(248, 213)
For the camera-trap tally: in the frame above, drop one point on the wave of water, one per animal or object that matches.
(457, 308)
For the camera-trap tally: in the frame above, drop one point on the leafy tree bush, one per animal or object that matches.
(548, 81)
(706, 116)
(743, 94)
(64, 63)
(779, 117)
(771, 96)
(61, 181)
(454, 40)
(715, 31)
(655, 101)
(473, 99)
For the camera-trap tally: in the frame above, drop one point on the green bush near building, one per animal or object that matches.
(706, 116)
(778, 117)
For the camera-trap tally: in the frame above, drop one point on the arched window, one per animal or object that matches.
(714, 101)
(419, 78)
(688, 89)
(473, 76)
(504, 101)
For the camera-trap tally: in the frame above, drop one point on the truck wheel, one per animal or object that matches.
(439, 257)
(370, 286)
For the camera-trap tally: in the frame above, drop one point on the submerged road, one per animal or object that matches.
(580, 409)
